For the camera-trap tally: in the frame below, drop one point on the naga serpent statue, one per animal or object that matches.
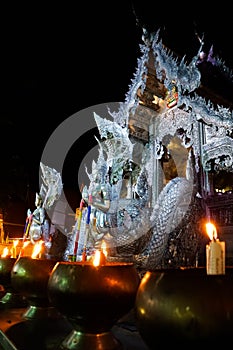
(122, 211)
(161, 228)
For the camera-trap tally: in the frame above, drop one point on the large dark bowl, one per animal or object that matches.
(185, 307)
(6, 265)
(10, 298)
(30, 278)
(93, 299)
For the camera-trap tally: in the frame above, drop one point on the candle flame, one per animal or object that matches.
(5, 252)
(15, 242)
(37, 249)
(99, 257)
(96, 259)
(211, 231)
(13, 248)
(25, 244)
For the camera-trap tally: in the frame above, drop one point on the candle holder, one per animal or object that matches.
(185, 306)
(11, 298)
(92, 298)
(30, 277)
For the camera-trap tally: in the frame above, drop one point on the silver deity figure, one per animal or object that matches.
(98, 196)
(38, 223)
(37, 220)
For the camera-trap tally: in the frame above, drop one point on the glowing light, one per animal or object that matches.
(96, 259)
(25, 244)
(211, 231)
(100, 255)
(15, 243)
(5, 252)
(37, 249)
(215, 252)
(13, 249)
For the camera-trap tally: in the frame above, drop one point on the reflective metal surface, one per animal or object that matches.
(185, 306)
(93, 299)
(30, 278)
(11, 297)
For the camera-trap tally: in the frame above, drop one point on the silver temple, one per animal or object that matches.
(165, 162)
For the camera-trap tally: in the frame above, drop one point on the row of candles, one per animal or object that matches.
(215, 251)
(15, 250)
(98, 258)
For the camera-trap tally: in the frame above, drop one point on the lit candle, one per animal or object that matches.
(215, 253)
(13, 249)
(37, 250)
(25, 244)
(5, 253)
(100, 256)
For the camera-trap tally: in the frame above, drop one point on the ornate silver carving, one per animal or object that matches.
(158, 235)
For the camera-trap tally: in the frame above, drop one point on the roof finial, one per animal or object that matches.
(200, 39)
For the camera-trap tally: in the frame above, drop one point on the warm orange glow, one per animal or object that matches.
(145, 278)
(99, 258)
(13, 249)
(5, 252)
(15, 242)
(211, 231)
(96, 259)
(25, 244)
(37, 249)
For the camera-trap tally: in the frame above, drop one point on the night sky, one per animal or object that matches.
(60, 59)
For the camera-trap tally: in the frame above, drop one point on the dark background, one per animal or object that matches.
(59, 59)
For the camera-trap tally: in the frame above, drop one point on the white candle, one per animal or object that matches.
(215, 258)
(215, 253)
(13, 252)
(13, 249)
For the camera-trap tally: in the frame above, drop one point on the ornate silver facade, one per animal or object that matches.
(163, 149)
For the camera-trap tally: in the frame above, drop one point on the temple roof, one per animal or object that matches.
(204, 77)
(179, 93)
